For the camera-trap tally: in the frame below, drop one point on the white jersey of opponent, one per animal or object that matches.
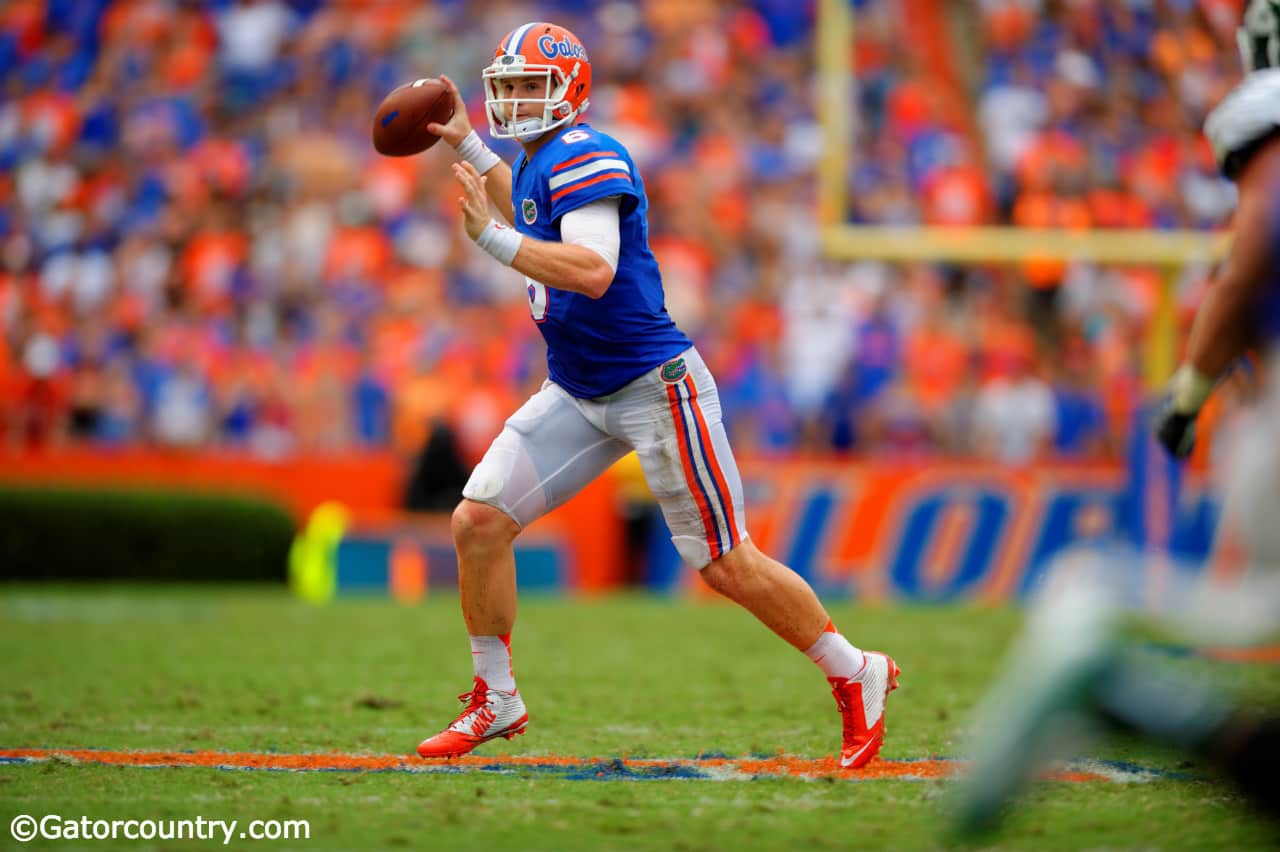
(1246, 116)
(1252, 477)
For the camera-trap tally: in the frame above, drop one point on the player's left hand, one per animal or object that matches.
(474, 202)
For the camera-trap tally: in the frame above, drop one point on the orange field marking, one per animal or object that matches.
(1269, 654)
(713, 768)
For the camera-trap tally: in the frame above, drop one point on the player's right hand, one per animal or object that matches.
(1176, 430)
(457, 128)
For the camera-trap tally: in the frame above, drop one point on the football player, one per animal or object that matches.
(622, 377)
(1073, 667)
(1242, 307)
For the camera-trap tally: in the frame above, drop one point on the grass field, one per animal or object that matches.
(250, 670)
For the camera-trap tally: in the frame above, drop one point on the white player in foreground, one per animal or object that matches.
(1073, 671)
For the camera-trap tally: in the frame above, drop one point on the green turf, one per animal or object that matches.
(248, 669)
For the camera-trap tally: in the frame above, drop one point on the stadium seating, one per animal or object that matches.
(202, 250)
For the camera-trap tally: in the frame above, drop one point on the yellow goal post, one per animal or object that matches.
(1171, 250)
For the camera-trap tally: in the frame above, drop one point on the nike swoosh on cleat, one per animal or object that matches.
(846, 762)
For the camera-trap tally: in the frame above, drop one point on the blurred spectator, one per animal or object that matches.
(183, 412)
(438, 474)
(1014, 414)
(1079, 416)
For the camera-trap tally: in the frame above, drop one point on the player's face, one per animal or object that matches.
(524, 88)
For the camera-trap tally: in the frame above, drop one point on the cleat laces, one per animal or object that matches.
(849, 724)
(477, 716)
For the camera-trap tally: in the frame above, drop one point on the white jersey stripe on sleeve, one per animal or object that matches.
(608, 164)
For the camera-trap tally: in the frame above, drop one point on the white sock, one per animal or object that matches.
(491, 659)
(834, 654)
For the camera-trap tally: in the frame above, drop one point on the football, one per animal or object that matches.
(400, 125)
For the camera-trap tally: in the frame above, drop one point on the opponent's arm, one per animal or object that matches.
(1222, 328)
(580, 268)
(1224, 324)
(463, 139)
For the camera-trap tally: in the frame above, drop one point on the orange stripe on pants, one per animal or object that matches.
(691, 476)
(713, 464)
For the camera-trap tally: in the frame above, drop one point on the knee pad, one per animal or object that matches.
(505, 480)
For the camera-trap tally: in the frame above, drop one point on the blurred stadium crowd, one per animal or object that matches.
(200, 248)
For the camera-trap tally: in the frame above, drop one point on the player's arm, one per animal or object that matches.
(1222, 328)
(584, 262)
(1224, 325)
(463, 139)
(564, 266)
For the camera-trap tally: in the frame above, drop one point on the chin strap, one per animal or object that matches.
(528, 129)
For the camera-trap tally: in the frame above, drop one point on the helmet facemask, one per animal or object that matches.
(555, 110)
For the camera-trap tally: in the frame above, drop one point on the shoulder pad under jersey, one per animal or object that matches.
(1246, 116)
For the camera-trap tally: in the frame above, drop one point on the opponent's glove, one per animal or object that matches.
(1175, 425)
(1176, 431)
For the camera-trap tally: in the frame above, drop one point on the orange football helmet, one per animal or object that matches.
(531, 50)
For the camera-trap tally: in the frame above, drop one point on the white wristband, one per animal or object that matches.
(1190, 388)
(500, 241)
(478, 154)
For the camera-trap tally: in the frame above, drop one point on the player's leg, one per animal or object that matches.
(691, 470)
(779, 597)
(483, 537)
(785, 603)
(1074, 676)
(547, 452)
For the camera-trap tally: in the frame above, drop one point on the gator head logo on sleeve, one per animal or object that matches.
(529, 210)
(674, 370)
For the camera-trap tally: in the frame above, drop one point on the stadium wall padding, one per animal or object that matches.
(920, 529)
(369, 481)
(588, 529)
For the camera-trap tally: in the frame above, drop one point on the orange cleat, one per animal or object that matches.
(861, 700)
(489, 714)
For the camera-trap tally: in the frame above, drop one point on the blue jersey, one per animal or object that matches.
(594, 346)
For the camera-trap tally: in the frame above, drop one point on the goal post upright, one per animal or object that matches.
(835, 86)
